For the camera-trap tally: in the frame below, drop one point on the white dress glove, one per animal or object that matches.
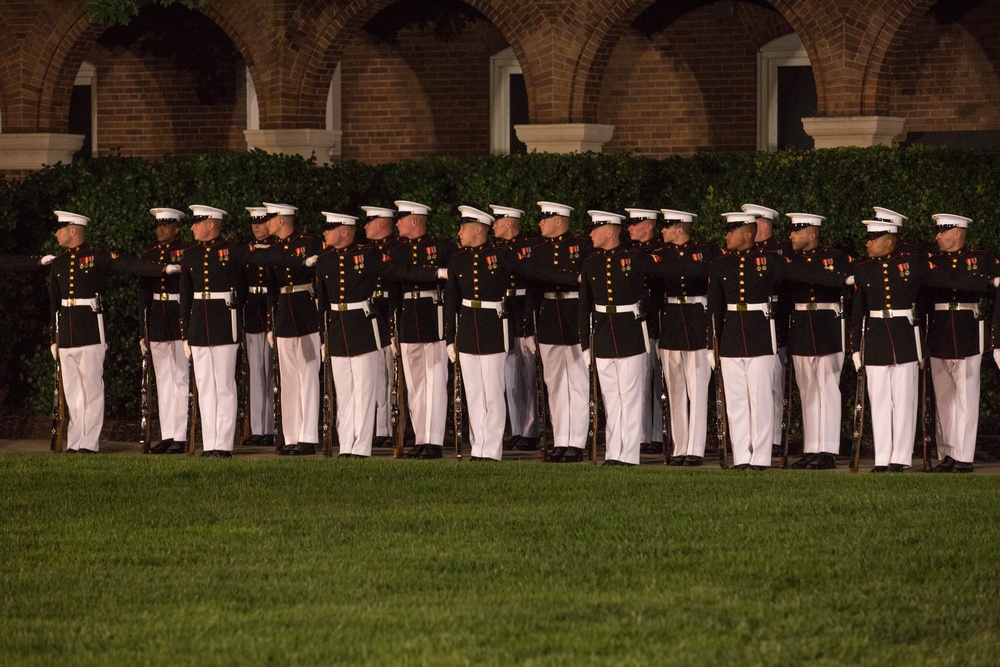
(587, 360)
(171, 269)
(311, 260)
(443, 274)
(996, 357)
(849, 280)
(452, 354)
(143, 347)
(187, 350)
(54, 349)
(532, 348)
(996, 282)
(783, 355)
(711, 360)
(394, 347)
(322, 351)
(46, 260)
(856, 358)
(270, 339)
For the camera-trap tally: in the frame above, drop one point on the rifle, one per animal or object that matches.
(328, 393)
(786, 415)
(397, 394)
(593, 397)
(664, 409)
(540, 415)
(244, 405)
(457, 403)
(720, 405)
(58, 405)
(279, 437)
(192, 409)
(925, 411)
(146, 390)
(859, 407)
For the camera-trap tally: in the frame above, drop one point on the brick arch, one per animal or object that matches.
(319, 32)
(59, 59)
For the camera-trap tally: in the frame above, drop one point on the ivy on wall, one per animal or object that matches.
(121, 12)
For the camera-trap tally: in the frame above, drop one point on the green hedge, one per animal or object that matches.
(116, 193)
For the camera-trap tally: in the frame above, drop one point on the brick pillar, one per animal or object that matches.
(324, 144)
(836, 131)
(565, 137)
(29, 151)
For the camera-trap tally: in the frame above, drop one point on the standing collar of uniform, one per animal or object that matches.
(83, 247)
(645, 244)
(350, 247)
(809, 253)
(956, 253)
(211, 242)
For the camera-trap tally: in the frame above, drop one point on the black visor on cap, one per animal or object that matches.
(548, 214)
(731, 226)
(163, 222)
(199, 218)
(871, 236)
(801, 225)
(636, 221)
(944, 228)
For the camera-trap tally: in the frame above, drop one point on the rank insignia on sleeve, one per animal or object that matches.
(656, 259)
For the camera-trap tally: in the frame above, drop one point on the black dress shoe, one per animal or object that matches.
(526, 444)
(880, 469)
(177, 447)
(555, 455)
(512, 444)
(644, 448)
(161, 447)
(252, 441)
(692, 461)
(655, 448)
(677, 461)
(83, 450)
(962, 466)
(572, 455)
(207, 454)
(611, 462)
(804, 462)
(742, 466)
(70, 451)
(896, 467)
(303, 449)
(758, 468)
(286, 449)
(345, 455)
(823, 461)
(267, 441)
(430, 452)
(947, 464)
(414, 452)
(223, 454)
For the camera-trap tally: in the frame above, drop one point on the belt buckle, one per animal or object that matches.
(952, 306)
(342, 307)
(70, 302)
(611, 309)
(741, 307)
(288, 289)
(811, 306)
(558, 296)
(886, 314)
(682, 299)
(164, 296)
(475, 303)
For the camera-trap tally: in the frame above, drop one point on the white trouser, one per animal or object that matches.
(687, 374)
(425, 368)
(384, 381)
(625, 388)
(215, 375)
(568, 384)
(818, 379)
(483, 379)
(749, 396)
(778, 392)
(892, 392)
(652, 413)
(522, 388)
(261, 381)
(170, 367)
(298, 360)
(956, 390)
(83, 386)
(355, 379)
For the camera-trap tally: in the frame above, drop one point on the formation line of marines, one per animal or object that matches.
(646, 319)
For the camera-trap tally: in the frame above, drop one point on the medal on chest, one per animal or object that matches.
(431, 253)
(491, 263)
(761, 263)
(904, 270)
(223, 256)
(359, 262)
(626, 263)
(573, 251)
(970, 264)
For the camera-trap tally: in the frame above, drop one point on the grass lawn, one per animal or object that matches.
(163, 561)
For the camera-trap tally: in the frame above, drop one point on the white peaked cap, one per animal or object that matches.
(672, 216)
(411, 208)
(257, 213)
(373, 212)
(881, 226)
(952, 220)
(739, 216)
(280, 209)
(885, 215)
(640, 214)
(72, 218)
(805, 219)
(167, 213)
(474, 214)
(201, 211)
(553, 207)
(506, 211)
(340, 219)
(760, 211)
(605, 218)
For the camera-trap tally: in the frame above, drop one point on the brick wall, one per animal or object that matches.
(945, 77)
(689, 87)
(420, 96)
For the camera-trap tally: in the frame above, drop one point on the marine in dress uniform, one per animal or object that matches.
(955, 342)
(558, 332)
(764, 239)
(256, 324)
(741, 284)
(611, 291)
(385, 300)
(520, 367)
(641, 225)
(684, 340)
(295, 329)
(212, 288)
(75, 281)
(886, 288)
(479, 275)
(816, 343)
(421, 330)
(159, 302)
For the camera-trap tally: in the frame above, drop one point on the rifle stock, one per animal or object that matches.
(786, 414)
(457, 399)
(279, 437)
(540, 414)
(664, 409)
(926, 412)
(58, 404)
(329, 393)
(593, 397)
(247, 430)
(146, 391)
(398, 394)
(720, 406)
(859, 407)
(192, 410)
